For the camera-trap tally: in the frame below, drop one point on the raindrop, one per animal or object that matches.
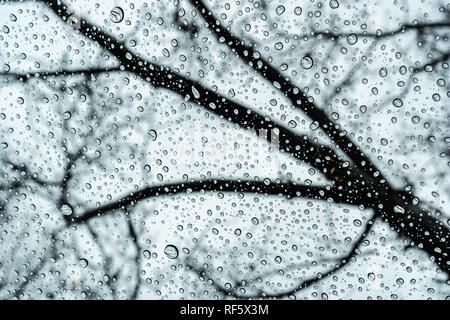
(278, 46)
(306, 62)
(383, 72)
(298, 11)
(67, 115)
(66, 210)
(280, 10)
(171, 251)
(152, 134)
(334, 4)
(195, 92)
(415, 119)
(352, 39)
(314, 125)
(371, 276)
(397, 102)
(83, 263)
(147, 254)
(357, 223)
(292, 124)
(116, 14)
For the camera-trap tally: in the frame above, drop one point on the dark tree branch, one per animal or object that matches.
(385, 195)
(419, 27)
(288, 190)
(25, 77)
(298, 98)
(364, 184)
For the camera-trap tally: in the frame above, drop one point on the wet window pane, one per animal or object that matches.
(203, 149)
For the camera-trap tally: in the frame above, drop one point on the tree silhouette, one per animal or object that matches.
(92, 135)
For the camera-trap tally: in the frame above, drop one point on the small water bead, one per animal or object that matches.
(147, 254)
(152, 134)
(67, 115)
(334, 4)
(371, 276)
(116, 14)
(402, 70)
(383, 72)
(306, 62)
(352, 39)
(436, 97)
(397, 103)
(298, 11)
(83, 263)
(314, 125)
(66, 210)
(280, 10)
(278, 46)
(195, 92)
(292, 124)
(171, 251)
(357, 223)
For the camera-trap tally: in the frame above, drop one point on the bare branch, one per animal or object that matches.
(289, 190)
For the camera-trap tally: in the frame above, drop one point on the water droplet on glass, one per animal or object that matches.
(352, 39)
(116, 14)
(152, 134)
(195, 93)
(397, 102)
(280, 10)
(334, 4)
(298, 11)
(83, 263)
(307, 62)
(171, 251)
(357, 223)
(66, 210)
(383, 72)
(147, 254)
(314, 125)
(67, 115)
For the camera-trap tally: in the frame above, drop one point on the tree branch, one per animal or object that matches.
(289, 190)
